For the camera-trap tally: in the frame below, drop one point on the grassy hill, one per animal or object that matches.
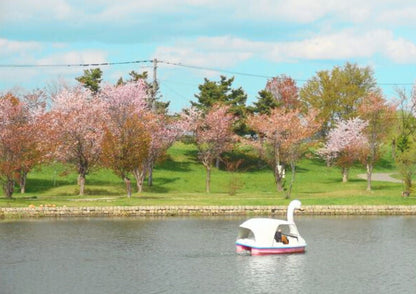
(180, 180)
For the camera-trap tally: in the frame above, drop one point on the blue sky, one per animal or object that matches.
(263, 38)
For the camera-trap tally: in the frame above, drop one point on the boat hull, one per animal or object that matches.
(269, 250)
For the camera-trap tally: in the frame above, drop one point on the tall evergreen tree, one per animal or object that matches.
(91, 79)
(265, 102)
(214, 92)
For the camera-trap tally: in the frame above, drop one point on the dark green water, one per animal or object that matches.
(197, 255)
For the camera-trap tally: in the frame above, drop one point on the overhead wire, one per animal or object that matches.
(178, 64)
(215, 69)
(73, 64)
(174, 91)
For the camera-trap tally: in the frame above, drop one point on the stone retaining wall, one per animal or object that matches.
(116, 211)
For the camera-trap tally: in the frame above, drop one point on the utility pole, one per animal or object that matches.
(154, 90)
(154, 85)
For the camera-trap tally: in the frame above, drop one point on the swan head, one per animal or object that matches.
(293, 205)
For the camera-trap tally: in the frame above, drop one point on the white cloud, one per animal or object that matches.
(293, 11)
(19, 52)
(212, 52)
(75, 57)
(307, 11)
(11, 47)
(401, 51)
(36, 77)
(343, 45)
(43, 10)
(71, 57)
(401, 15)
(226, 51)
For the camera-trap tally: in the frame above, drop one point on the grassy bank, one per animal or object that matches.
(180, 180)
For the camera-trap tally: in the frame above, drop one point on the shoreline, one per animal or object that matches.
(129, 211)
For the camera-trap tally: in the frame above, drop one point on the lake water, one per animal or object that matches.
(197, 255)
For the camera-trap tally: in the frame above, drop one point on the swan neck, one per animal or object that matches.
(290, 212)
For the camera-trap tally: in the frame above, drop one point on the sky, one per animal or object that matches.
(196, 39)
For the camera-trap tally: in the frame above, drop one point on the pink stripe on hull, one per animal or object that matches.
(264, 251)
(241, 248)
(261, 251)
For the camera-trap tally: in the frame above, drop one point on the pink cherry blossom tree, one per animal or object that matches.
(76, 128)
(281, 138)
(11, 122)
(125, 103)
(34, 104)
(131, 98)
(19, 150)
(214, 135)
(164, 131)
(124, 100)
(345, 144)
(380, 117)
(285, 91)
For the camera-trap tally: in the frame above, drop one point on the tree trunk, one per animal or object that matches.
(150, 176)
(81, 182)
(22, 182)
(139, 175)
(344, 174)
(292, 180)
(8, 188)
(393, 149)
(217, 162)
(261, 153)
(128, 186)
(208, 180)
(407, 184)
(369, 174)
(278, 176)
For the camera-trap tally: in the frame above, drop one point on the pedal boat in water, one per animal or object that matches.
(257, 235)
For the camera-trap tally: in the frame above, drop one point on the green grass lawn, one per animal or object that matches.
(180, 180)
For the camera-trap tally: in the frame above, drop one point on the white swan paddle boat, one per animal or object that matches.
(258, 235)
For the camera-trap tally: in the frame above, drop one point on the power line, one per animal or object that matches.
(216, 69)
(72, 64)
(165, 84)
(132, 62)
(396, 84)
(167, 63)
(258, 75)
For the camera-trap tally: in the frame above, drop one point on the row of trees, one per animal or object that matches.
(113, 127)
(340, 114)
(92, 126)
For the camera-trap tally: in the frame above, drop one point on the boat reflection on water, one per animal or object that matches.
(279, 272)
